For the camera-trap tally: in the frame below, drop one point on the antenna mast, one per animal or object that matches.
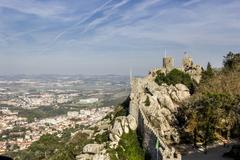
(130, 74)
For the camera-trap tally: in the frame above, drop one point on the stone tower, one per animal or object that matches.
(168, 63)
(187, 61)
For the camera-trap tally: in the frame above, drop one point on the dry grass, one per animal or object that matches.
(222, 83)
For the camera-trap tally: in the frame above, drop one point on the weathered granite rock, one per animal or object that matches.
(182, 87)
(194, 70)
(122, 125)
(100, 157)
(166, 101)
(103, 124)
(179, 93)
(113, 144)
(117, 127)
(160, 114)
(93, 157)
(85, 131)
(131, 122)
(99, 132)
(83, 157)
(93, 148)
(113, 137)
(157, 119)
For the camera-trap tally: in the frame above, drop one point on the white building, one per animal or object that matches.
(88, 100)
(72, 114)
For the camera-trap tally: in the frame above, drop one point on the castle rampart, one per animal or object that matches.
(156, 121)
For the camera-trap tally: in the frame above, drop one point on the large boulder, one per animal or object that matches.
(179, 93)
(83, 157)
(117, 127)
(93, 157)
(182, 87)
(122, 125)
(93, 148)
(131, 122)
(101, 157)
(103, 125)
(166, 101)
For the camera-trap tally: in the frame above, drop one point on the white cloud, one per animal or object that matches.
(144, 28)
(107, 14)
(34, 7)
(191, 2)
(98, 9)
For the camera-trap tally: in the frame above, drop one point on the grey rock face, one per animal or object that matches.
(83, 157)
(93, 157)
(131, 122)
(194, 70)
(93, 148)
(179, 92)
(159, 116)
(122, 125)
(101, 157)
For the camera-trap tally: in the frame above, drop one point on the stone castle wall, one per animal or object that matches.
(149, 140)
(133, 108)
(156, 122)
(149, 134)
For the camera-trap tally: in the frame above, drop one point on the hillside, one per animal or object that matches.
(169, 108)
(213, 112)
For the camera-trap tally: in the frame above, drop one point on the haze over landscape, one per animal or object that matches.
(119, 79)
(111, 36)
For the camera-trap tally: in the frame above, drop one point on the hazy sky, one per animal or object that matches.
(111, 36)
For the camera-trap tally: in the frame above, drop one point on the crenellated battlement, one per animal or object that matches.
(156, 121)
(194, 70)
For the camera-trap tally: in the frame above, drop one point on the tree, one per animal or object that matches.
(207, 74)
(232, 61)
(211, 116)
(176, 76)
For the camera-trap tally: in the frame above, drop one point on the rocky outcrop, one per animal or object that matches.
(155, 120)
(93, 152)
(93, 148)
(158, 119)
(194, 70)
(103, 124)
(122, 124)
(93, 157)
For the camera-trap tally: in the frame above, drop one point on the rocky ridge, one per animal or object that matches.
(94, 151)
(159, 115)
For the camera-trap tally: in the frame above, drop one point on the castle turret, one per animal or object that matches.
(187, 61)
(168, 63)
(194, 70)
